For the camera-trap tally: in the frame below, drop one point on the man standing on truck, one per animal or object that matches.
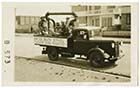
(43, 26)
(67, 21)
(70, 24)
(63, 29)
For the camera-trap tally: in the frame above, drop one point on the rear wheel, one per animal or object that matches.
(96, 59)
(63, 55)
(52, 53)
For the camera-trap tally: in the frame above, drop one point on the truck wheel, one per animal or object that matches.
(112, 62)
(96, 59)
(63, 55)
(52, 53)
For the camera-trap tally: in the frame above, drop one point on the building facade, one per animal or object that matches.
(24, 23)
(104, 16)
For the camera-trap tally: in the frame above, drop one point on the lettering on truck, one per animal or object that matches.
(61, 42)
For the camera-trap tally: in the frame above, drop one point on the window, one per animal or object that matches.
(90, 8)
(103, 21)
(26, 20)
(81, 35)
(128, 19)
(82, 20)
(79, 8)
(110, 7)
(86, 8)
(97, 7)
(97, 22)
(107, 21)
(93, 23)
(22, 21)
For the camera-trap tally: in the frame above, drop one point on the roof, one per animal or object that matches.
(60, 13)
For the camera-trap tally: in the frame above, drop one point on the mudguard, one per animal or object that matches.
(95, 49)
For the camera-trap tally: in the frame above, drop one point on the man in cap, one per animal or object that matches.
(42, 25)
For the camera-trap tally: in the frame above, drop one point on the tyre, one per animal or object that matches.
(112, 62)
(52, 53)
(63, 55)
(96, 59)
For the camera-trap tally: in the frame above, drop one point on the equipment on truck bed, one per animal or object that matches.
(49, 27)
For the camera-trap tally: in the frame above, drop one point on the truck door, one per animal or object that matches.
(81, 42)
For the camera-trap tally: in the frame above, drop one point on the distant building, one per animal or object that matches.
(26, 22)
(104, 16)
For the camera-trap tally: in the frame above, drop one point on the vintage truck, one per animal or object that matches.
(81, 41)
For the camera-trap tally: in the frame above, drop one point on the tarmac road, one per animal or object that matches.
(36, 71)
(24, 47)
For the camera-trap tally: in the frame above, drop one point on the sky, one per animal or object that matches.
(37, 10)
(34, 9)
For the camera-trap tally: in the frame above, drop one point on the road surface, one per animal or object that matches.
(35, 71)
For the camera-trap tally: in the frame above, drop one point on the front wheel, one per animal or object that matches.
(96, 59)
(52, 53)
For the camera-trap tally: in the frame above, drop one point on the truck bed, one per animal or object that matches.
(50, 41)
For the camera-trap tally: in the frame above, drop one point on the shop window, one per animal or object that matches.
(128, 19)
(106, 21)
(22, 20)
(109, 21)
(26, 20)
(97, 22)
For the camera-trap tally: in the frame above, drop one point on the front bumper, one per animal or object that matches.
(116, 58)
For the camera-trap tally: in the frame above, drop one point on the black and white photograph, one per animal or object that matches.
(71, 43)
